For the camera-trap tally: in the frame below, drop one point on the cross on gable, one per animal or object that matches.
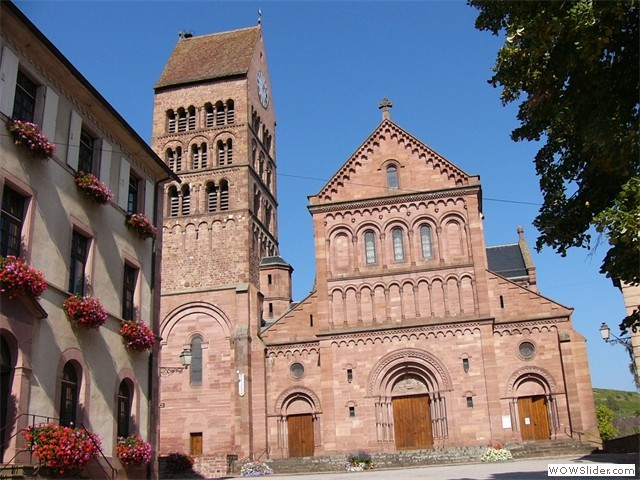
(385, 105)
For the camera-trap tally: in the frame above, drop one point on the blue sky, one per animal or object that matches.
(330, 64)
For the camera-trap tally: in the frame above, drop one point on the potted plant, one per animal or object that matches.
(93, 188)
(65, 450)
(141, 224)
(18, 278)
(178, 462)
(84, 311)
(28, 134)
(137, 336)
(133, 450)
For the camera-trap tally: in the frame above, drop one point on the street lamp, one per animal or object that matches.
(605, 332)
(185, 359)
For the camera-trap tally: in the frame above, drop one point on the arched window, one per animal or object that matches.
(203, 155)
(392, 177)
(224, 195)
(195, 157)
(370, 247)
(174, 202)
(212, 198)
(209, 115)
(398, 244)
(219, 113)
(195, 369)
(186, 200)
(425, 242)
(231, 114)
(182, 120)
(124, 409)
(171, 121)
(191, 118)
(68, 395)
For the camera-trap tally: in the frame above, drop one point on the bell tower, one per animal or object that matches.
(214, 125)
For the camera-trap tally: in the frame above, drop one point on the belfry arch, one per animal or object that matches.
(411, 389)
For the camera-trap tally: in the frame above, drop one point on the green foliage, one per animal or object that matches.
(627, 404)
(604, 417)
(574, 68)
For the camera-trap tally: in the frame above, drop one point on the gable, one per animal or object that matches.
(365, 174)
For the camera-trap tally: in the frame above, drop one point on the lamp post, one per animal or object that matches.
(627, 343)
(185, 359)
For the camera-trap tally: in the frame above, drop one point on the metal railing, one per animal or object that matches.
(35, 420)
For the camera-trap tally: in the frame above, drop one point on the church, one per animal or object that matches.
(416, 335)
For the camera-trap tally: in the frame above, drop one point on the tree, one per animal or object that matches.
(574, 64)
(604, 417)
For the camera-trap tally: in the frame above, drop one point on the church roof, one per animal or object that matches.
(208, 57)
(507, 261)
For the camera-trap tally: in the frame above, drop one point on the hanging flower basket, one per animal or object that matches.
(133, 450)
(137, 336)
(84, 311)
(141, 224)
(28, 134)
(65, 450)
(18, 278)
(93, 188)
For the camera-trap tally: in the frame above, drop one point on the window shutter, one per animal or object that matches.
(73, 153)
(105, 161)
(50, 114)
(149, 197)
(123, 183)
(8, 78)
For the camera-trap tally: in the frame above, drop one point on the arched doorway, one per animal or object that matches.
(5, 391)
(411, 414)
(411, 387)
(298, 424)
(534, 408)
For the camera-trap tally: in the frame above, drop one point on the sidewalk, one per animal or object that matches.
(527, 469)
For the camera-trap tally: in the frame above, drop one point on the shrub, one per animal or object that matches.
(255, 469)
(604, 417)
(178, 462)
(496, 453)
(358, 462)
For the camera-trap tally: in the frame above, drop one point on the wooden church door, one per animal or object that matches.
(301, 442)
(534, 421)
(412, 422)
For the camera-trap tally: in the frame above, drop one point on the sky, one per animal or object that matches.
(330, 64)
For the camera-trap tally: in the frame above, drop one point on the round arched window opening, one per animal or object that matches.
(527, 350)
(297, 370)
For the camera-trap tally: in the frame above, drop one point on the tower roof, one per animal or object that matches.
(208, 57)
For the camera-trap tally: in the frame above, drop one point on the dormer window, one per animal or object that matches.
(392, 177)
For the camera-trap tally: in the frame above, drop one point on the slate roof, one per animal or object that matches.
(507, 261)
(275, 260)
(208, 57)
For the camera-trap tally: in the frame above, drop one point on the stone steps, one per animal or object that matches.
(401, 459)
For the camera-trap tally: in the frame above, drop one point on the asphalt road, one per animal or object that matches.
(528, 469)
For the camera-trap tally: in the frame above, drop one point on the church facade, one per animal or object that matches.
(415, 334)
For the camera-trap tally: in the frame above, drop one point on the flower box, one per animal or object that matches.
(496, 453)
(93, 188)
(18, 278)
(255, 469)
(28, 134)
(133, 450)
(84, 311)
(137, 336)
(65, 450)
(141, 224)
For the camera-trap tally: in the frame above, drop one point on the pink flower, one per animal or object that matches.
(28, 134)
(17, 278)
(94, 188)
(136, 335)
(84, 311)
(140, 223)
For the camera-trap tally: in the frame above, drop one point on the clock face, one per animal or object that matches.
(263, 91)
